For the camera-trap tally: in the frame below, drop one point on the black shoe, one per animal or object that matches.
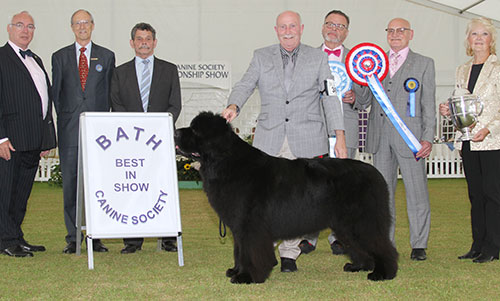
(306, 247)
(169, 246)
(337, 248)
(16, 251)
(288, 265)
(97, 246)
(470, 255)
(31, 248)
(418, 254)
(129, 249)
(482, 258)
(70, 248)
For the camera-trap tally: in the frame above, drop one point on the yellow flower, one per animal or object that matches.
(187, 166)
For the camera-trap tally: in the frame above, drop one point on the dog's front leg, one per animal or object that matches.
(234, 270)
(240, 272)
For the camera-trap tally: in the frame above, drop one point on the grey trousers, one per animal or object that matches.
(288, 248)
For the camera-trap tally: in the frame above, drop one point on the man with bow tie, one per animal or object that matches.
(81, 76)
(26, 131)
(335, 30)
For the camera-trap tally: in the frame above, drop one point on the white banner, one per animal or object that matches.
(205, 74)
(130, 175)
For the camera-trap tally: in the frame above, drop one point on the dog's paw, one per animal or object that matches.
(231, 272)
(350, 267)
(374, 276)
(241, 278)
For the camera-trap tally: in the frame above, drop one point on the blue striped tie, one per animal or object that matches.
(145, 84)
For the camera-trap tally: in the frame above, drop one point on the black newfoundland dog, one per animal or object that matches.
(263, 199)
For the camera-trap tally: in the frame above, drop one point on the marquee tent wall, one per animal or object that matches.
(230, 30)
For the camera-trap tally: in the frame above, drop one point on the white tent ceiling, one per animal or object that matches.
(467, 8)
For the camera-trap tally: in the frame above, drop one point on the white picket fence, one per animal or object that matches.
(442, 163)
(45, 169)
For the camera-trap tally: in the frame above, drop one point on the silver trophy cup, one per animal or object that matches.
(464, 111)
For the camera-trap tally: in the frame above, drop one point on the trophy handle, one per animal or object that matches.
(481, 107)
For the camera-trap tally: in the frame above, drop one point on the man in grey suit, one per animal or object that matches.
(335, 30)
(292, 122)
(81, 75)
(146, 84)
(388, 147)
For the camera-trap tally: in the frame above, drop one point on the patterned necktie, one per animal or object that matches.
(288, 73)
(393, 63)
(145, 84)
(335, 52)
(83, 68)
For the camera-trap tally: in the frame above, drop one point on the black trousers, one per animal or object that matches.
(16, 181)
(138, 241)
(482, 172)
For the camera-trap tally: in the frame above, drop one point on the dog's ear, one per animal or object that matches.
(209, 124)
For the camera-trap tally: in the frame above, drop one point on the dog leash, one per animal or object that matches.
(222, 232)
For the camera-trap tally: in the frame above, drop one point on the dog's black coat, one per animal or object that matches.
(263, 199)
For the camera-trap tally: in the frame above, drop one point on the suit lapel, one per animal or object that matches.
(155, 80)
(38, 60)
(344, 54)
(133, 83)
(95, 64)
(278, 66)
(300, 62)
(404, 73)
(485, 73)
(15, 58)
(463, 75)
(72, 63)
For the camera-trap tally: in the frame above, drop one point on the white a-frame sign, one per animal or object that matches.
(128, 178)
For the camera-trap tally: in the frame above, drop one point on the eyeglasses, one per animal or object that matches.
(21, 26)
(83, 23)
(399, 30)
(335, 26)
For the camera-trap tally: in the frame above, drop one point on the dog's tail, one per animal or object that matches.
(385, 258)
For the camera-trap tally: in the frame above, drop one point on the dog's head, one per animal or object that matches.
(206, 133)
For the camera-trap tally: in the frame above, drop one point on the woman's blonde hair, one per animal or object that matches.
(490, 28)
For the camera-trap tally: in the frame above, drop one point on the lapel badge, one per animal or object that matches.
(98, 67)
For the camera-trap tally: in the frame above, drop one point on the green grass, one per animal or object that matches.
(152, 275)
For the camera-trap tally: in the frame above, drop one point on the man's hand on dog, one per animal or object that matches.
(230, 112)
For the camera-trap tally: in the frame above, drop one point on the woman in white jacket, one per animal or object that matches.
(481, 155)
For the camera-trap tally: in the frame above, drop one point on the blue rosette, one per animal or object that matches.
(411, 86)
(342, 81)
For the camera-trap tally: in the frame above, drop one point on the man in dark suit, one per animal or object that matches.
(81, 75)
(26, 131)
(146, 84)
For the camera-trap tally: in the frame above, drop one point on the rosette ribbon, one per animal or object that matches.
(411, 86)
(367, 65)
